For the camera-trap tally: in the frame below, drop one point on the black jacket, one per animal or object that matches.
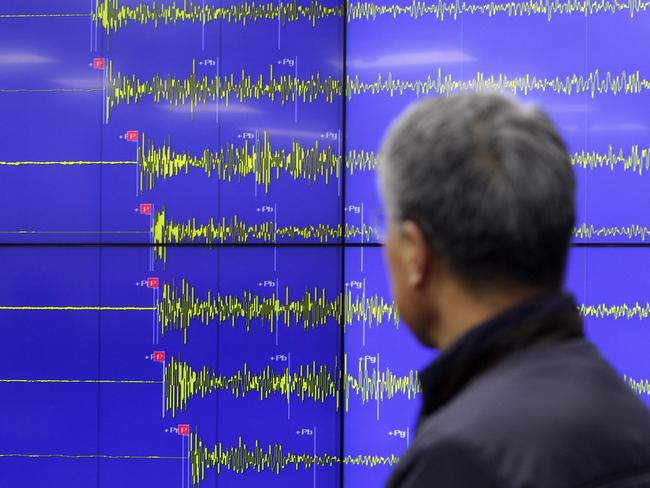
(525, 401)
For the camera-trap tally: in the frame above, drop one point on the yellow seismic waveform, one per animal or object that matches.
(639, 386)
(311, 381)
(621, 311)
(313, 162)
(272, 457)
(198, 90)
(310, 163)
(179, 307)
(113, 15)
(637, 160)
(236, 230)
(239, 458)
(441, 10)
(585, 231)
(593, 83)
(253, 157)
(307, 162)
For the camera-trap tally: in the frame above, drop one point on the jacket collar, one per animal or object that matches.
(548, 318)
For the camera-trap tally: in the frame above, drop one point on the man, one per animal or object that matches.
(479, 192)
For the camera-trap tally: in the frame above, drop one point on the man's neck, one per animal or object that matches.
(461, 311)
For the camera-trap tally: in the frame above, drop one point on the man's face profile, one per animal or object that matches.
(408, 261)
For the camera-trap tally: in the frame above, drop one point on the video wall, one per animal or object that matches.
(193, 290)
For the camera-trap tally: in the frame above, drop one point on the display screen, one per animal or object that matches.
(194, 292)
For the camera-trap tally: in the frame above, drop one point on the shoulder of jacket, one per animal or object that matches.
(446, 462)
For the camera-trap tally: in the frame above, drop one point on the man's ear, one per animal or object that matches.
(416, 254)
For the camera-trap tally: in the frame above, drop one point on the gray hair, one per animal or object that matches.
(490, 183)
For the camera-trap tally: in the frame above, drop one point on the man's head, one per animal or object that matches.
(479, 195)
